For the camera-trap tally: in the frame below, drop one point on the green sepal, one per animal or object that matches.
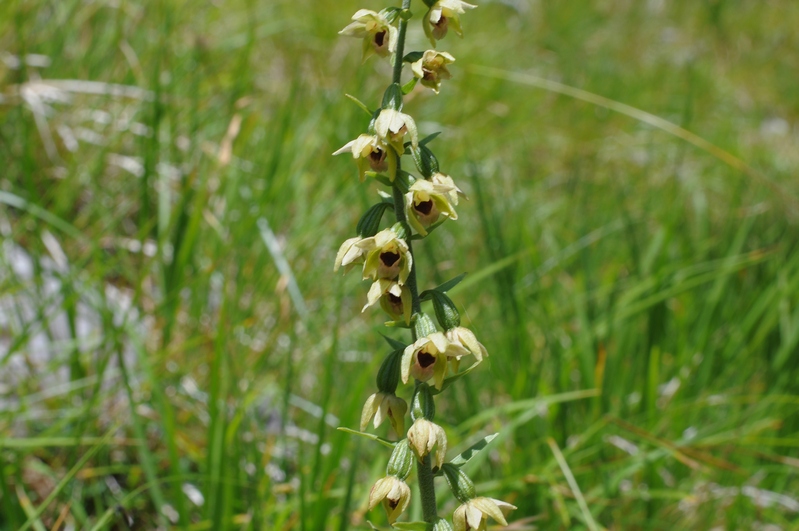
(422, 404)
(446, 312)
(412, 57)
(390, 13)
(401, 461)
(359, 103)
(369, 223)
(455, 377)
(372, 436)
(459, 483)
(413, 526)
(467, 455)
(388, 375)
(408, 87)
(430, 229)
(394, 343)
(423, 326)
(392, 97)
(443, 288)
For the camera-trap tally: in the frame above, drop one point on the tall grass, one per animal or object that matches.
(176, 353)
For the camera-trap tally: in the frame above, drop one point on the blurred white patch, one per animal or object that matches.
(622, 444)
(775, 127)
(193, 494)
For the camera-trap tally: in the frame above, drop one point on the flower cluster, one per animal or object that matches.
(421, 202)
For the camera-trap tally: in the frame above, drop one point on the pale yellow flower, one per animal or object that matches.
(387, 256)
(391, 127)
(442, 179)
(378, 35)
(443, 15)
(473, 515)
(384, 406)
(427, 201)
(349, 253)
(424, 436)
(428, 357)
(432, 68)
(466, 339)
(371, 153)
(395, 495)
(394, 298)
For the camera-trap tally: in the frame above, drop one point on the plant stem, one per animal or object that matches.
(424, 471)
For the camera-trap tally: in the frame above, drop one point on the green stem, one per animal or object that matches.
(424, 472)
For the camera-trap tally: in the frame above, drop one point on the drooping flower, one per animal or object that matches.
(378, 35)
(427, 201)
(395, 495)
(473, 515)
(384, 406)
(387, 256)
(394, 298)
(432, 68)
(424, 436)
(442, 15)
(445, 180)
(466, 339)
(349, 253)
(371, 153)
(391, 127)
(428, 357)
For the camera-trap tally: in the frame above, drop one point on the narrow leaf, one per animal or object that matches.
(467, 455)
(454, 378)
(394, 343)
(412, 57)
(359, 103)
(371, 436)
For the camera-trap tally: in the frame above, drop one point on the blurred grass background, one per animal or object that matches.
(175, 351)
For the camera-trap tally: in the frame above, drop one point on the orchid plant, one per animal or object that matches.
(421, 202)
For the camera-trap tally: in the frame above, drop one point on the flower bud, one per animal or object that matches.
(459, 483)
(422, 403)
(400, 463)
(446, 312)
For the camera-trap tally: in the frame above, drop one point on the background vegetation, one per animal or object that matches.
(176, 352)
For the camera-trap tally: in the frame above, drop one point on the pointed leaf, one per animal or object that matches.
(467, 455)
(409, 86)
(455, 377)
(384, 442)
(394, 343)
(443, 288)
(412, 57)
(359, 103)
(428, 138)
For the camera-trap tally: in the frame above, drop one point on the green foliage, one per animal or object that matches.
(636, 287)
